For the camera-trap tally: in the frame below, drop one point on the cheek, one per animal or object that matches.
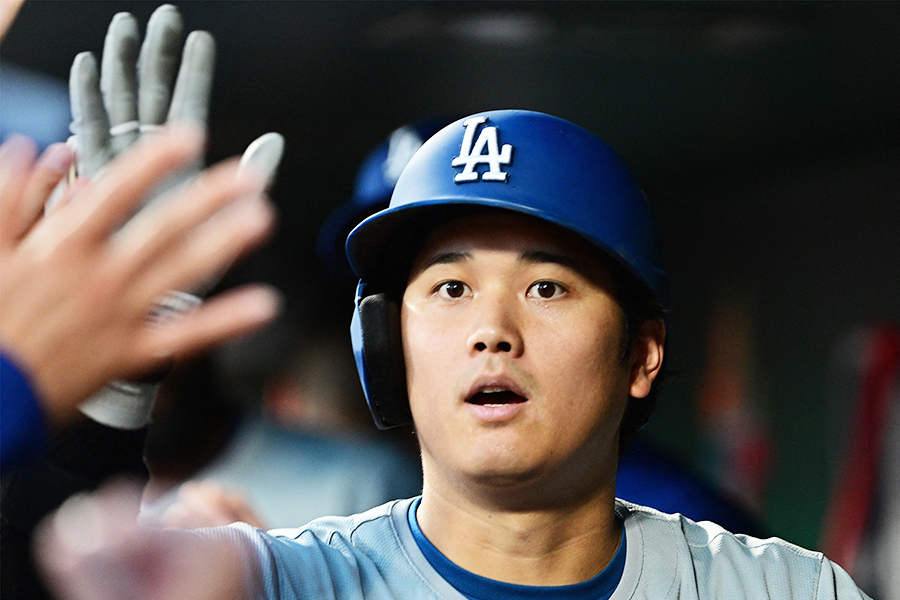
(584, 367)
(428, 380)
(426, 362)
(580, 341)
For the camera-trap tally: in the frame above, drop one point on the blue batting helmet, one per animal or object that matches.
(522, 161)
(375, 181)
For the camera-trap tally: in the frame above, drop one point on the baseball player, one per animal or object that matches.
(646, 474)
(511, 304)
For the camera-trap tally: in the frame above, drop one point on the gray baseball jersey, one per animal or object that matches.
(374, 555)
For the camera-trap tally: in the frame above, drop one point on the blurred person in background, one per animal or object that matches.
(305, 448)
(861, 528)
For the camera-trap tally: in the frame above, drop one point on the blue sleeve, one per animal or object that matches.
(22, 426)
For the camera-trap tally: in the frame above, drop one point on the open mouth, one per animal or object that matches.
(495, 397)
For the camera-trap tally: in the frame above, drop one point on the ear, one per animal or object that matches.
(647, 357)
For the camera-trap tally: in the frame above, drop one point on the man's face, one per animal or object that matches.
(513, 344)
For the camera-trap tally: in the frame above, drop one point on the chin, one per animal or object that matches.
(504, 472)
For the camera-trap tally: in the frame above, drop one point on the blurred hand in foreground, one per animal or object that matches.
(91, 549)
(79, 283)
(207, 504)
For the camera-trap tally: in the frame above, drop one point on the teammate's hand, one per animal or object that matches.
(78, 284)
(91, 549)
(136, 91)
(207, 504)
(8, 11)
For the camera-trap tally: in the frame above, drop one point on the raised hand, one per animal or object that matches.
(91, 549)
(134, 92)
(79, 283)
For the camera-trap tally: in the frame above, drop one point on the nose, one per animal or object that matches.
(496, 329)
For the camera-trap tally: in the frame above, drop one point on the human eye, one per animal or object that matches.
(546, 290)
(452, 289)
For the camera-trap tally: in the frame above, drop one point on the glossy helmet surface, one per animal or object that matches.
(527, 162)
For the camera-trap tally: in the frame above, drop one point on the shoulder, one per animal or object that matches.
(708, 540)
(335, 557)
(708, 560)
(337, 531)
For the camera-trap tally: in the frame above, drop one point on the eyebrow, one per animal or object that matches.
(530, 256)
(444, 258)
(545, 256)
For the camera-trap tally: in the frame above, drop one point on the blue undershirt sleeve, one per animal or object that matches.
(22, 423)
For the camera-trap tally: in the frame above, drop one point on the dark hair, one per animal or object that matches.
(638, 307)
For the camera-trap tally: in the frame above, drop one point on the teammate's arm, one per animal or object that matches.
(79, 283)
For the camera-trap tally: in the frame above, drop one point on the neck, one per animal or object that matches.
(552, 545)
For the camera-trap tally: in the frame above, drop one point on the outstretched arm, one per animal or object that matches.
(82, 284)
(78, 286)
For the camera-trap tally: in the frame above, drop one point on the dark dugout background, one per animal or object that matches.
(767, 136)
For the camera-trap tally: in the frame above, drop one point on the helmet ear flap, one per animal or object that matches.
(378, 348)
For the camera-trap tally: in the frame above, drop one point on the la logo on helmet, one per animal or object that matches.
(486, 150)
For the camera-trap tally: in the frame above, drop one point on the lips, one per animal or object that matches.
(495, 396)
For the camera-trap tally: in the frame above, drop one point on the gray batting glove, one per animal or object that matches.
(132, 96)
